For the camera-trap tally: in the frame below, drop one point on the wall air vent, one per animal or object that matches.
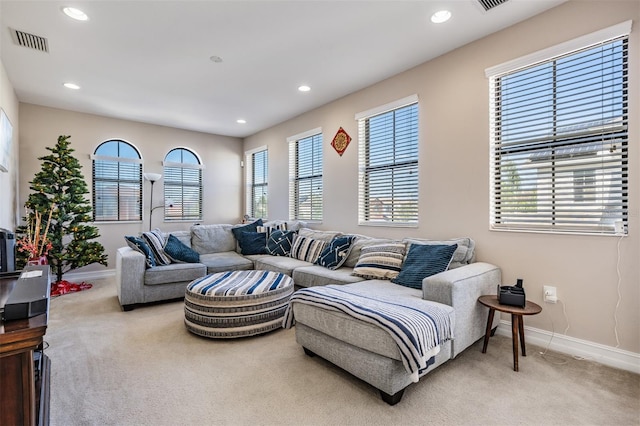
(29, 40)
(490, 4)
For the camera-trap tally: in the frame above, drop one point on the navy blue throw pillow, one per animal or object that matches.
(253, 242)
(249, 227)
(279, 243)
(180, 252)
(422, 261)
(139, 245)
(336, 253)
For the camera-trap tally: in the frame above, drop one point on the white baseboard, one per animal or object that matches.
(607, 355)
(87, 276)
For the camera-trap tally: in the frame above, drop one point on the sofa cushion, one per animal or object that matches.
(326, 236)
(140, 246)
(225, 261)
(283, 264)
(155, 240)
(306, 248)
(179, 252)
(335, 253)
(424, 260)
(358, 333)
(174, 273)
(464, 254)
(380, 261)
(309, 276)
(207, 239)
(279, 242)
(252, 242)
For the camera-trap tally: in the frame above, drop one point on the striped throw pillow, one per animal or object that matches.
(155, 241)
(381, 261)
(306, 249)
(139, 245)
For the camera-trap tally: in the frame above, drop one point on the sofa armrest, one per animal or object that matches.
(130, 269)
(460, 289)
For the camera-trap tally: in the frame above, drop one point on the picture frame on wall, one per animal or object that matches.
(6, 136)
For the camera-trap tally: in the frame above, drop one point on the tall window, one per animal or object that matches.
(559, 140)
(257, 169)
(117, 182)
(388, 164)
(182, 185)
(305, 176)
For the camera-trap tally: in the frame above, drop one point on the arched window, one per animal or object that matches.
(117, 182)
(182, 185)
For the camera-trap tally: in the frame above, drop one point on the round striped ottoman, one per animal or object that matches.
(236, 303)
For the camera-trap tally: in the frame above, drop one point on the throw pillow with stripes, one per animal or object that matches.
(156, 242)
(423, 261)
(383, 261)
(306, 249)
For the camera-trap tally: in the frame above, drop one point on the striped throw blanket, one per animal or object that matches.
(418, 328)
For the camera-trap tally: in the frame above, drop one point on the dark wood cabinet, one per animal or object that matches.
(24, 369)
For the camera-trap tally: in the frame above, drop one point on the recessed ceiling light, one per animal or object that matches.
(241, 121)
(440, 16)
(216, 59)
(71, 86)
(304, 88)
(74, 13)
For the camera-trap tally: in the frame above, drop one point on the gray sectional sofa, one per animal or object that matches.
(359, 348)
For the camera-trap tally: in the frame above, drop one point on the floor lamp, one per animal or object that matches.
(151, 177)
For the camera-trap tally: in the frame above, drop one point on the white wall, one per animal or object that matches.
(454, 175)
(9, 180)
(221, 156)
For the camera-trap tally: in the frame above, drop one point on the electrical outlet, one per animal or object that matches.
(550, 295)
(619, 227)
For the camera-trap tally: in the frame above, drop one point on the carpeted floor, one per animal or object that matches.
(144, 368)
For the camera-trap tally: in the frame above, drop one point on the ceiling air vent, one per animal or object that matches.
(490, 4)
(30, 40)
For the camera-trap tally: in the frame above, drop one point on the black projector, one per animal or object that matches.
(30, 296)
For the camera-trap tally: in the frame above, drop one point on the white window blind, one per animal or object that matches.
(305, 176)
(258, 183)
(388, 165)
(182, 185)
(117, 182)
(559, 142)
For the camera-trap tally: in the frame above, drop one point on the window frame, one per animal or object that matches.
(568, 148)
(410, 165)
(97, 193)
(313, 136)
(168, 197)
(251, 209)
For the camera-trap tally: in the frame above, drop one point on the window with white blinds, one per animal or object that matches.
(182, 185)
(388, 164)
(305, 176)
(257, 183)
(117, 182)
(559, 142)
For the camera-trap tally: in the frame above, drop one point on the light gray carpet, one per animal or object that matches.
(144, 368)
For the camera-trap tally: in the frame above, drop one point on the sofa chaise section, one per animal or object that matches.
(370, 353)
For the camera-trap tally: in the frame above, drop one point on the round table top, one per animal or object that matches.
(491, 301)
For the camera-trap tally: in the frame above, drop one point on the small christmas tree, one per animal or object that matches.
(60, 188)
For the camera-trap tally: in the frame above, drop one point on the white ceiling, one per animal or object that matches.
(149, 60)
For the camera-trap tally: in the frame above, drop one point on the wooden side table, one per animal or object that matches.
(517, 323)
